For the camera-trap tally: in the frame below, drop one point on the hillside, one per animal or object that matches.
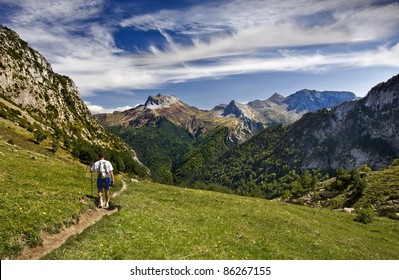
(168, 223)
(48, 106)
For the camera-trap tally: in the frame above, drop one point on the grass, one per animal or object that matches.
(164, 222)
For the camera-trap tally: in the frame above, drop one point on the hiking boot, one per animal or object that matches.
(100, 203)
(106, 204)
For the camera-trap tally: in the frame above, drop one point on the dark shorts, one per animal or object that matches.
(103, 184)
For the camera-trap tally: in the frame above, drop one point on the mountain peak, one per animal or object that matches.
(276, 98)
(160, 101)
(234, 108)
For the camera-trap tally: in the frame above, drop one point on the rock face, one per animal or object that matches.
(160, 102)
(359, 132)
(45, 99)
(28, 81)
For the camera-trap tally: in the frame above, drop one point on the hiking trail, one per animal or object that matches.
(53, 241)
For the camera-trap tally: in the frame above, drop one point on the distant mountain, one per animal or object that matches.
(48, 104)
(278, 109)
(312, 100)
(243, 120)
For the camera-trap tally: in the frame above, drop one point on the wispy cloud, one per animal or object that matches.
(225, 38)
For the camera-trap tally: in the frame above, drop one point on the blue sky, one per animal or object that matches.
(210, 52)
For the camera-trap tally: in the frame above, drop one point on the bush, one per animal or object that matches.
(39, 136)
(365, 215)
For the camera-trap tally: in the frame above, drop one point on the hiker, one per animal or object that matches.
(105, 178)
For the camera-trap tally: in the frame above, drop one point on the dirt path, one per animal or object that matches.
(53, 241)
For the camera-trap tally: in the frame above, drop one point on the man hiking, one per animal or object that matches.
(105, 178)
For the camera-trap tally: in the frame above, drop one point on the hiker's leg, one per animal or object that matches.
(107, 195)
(106, 189)
(100, 188)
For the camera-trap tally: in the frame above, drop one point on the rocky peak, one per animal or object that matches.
(236, 109)
(160, 101)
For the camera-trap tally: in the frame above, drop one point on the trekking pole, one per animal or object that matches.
(91, 182)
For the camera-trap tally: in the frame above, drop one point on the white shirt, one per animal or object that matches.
(105, 164)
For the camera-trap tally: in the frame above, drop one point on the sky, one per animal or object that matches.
(210, 52)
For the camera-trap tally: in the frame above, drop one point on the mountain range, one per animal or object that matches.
(243, 120)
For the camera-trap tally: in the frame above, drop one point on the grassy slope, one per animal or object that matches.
(163, 222)
(44, 193)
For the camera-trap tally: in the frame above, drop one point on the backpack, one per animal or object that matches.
(102, 170)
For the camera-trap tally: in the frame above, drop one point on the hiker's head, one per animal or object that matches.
(101, 155)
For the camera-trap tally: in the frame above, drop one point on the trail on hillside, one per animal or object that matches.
(53, 241)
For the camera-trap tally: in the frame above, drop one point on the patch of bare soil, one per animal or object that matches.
(53, 241)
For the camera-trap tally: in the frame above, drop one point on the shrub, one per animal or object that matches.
(365, 215)
(39, 136)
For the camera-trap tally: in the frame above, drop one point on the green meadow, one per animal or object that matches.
(164, 222)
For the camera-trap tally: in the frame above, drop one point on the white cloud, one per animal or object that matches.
(227, 38)
(287, 61)
(97, 109)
